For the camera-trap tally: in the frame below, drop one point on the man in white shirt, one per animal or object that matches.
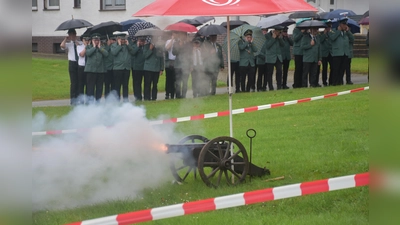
(69, 44)
(169, 69)
(81, 50)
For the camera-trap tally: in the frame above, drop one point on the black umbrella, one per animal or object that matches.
(204, 19)
(74, 23)
(105, 28)
(234, 23)
(339, 13)
(208, 30)
(193, 22)
(304, 14)
(366, 14)
(153, 31)
(312, 23)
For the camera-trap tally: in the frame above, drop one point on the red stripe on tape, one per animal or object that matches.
(304, 100)
(51, 132)
(314, 187)
(172, 120)
(198, 117)
(251, 109)
(258, 196)
(199, 206)
(77, 223)
(277, 104)
(330, 95)
(134, 217)
(361, 179)
(357, 90)
(223, 113)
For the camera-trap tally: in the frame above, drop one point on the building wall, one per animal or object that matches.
(358, 6)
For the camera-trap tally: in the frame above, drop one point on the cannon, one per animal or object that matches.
(216, 160)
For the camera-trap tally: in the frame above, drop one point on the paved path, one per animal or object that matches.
(356, 78)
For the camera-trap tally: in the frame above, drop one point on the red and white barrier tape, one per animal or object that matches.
(218, 114)
(229, 201)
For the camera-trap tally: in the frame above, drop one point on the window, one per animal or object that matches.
(57, 49)
(112, 4)
(34, 4)
(52, 4)
(34, 47)
(332, 2)
(311, 1)
(77, 3)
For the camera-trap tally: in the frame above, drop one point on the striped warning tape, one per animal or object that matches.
(235, 200)
(218, 114)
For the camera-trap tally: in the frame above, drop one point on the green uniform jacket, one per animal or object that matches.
(260, 55)
(247, 51)
(340, 43)
(326, 44)
(273, 48)
(154, 59)
(109, 61)
(297, 36)
(285, 49)
(351, 43)
(95, 59)
(213, 61)
(310, 53)
(183, 55)
(137, 57)
(122, 56)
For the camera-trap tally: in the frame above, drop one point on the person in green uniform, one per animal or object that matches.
(214, 61)
(109, 76)
(122, 51)
(286, 56)
(137, 67)
(351, 55)
(298, 57)
(182, 49)
(311, 57)
(273, 55)
(247, 61)
(95, 69)
(261, 66)
(326, 49)
(153, 67)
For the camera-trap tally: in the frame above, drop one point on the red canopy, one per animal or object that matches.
(222, 7)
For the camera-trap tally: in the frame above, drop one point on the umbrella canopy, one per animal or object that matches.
(338, 13)
(193, 22)
(204, 19)
(353, 25)
(234, 23)
(105, 28)
(366, 14)
(305, 14)
(275, 20)
(139, 26)
(128, 23)
(364, 21)
(182, 27)
(237, 34)
(153, 31)
(208, 30)
(225, 8)
(73, 24)
(311, 23)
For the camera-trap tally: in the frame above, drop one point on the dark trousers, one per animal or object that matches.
(325, 61)
(310, 70)
(213, 77)
(278, 74)
(182, 77)
(81, 84)
(200, 87)
(298, 71)
(94, 86)
(348, 70)
(338, 67)
(262, 77)
(249, 72)
(121, 79)
(235, 70)
(150, 85)
(285, 70)
(73, 78)
(170, 81)
(137, 78)
(108, 82)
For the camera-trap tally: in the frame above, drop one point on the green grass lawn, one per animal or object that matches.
(50, 78)
(304, 142)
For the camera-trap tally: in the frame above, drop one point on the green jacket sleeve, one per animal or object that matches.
(103, 51)
(115, 49)
(270, 41)
(351, 37)
(297, 35)
(242, 44)
(290, 41)
(147, 52)
(334, 35)
(305, 43)
(90, 50)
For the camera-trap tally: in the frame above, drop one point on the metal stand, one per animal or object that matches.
(251, 133)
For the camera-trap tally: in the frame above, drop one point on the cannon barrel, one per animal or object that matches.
(184, 148)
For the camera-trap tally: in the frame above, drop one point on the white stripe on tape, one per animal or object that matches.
(287, 191)
(229, 201)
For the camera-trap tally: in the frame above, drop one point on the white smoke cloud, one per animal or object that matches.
(116, 159)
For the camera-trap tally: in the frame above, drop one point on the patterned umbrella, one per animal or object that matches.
(139, 26)
(237, 34)
(128, 23)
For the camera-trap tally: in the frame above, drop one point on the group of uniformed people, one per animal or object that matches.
(96, 64)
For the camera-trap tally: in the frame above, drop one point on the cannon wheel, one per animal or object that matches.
(180, 170)
(219, 169)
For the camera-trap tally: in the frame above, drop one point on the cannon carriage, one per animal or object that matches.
(216, 160)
